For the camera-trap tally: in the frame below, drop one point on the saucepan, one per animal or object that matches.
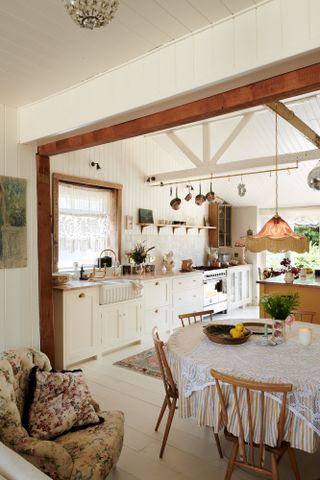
(210, 195)
(176, 202)
(200, 198)
(189, 194)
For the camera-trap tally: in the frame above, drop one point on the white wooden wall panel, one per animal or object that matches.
(19, 317)
(288, 29)
(269, 31)
(245, 40)
(127, 162)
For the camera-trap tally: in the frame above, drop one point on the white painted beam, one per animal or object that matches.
(233, 135)
(184, 149)
(206, 142)
(239, 166)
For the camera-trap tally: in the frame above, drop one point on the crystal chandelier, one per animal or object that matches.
(276, 235)
(91, 13)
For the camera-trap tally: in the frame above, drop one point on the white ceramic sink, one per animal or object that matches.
(119, 290)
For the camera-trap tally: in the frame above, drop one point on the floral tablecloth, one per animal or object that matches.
(191, 356)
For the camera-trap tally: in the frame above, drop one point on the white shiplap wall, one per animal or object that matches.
(127, 162)
(19, 318)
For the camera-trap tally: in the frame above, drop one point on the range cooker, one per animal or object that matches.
(214, 288)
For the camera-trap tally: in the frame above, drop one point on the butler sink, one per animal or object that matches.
(119, 290)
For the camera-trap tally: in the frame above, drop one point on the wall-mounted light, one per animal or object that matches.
(95, 164)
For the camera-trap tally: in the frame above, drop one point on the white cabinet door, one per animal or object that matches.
(156, 293)
(120, 323)
(80, 317)
(110, 326)
(239, 287)
(156, 317)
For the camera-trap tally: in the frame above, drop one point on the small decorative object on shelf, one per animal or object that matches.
(279, 307)
(145, 216)
(186, 265)
(168, 261)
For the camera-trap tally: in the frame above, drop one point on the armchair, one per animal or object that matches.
(89, 453)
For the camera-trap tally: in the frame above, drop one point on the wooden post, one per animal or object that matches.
(47, 344)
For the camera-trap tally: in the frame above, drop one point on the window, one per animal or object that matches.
(87, 217)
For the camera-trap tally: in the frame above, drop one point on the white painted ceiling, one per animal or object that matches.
(42, 51)
(256, 140)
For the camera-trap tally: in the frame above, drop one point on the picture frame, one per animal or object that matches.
(145, 216)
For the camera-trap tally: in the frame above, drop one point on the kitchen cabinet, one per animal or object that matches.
(239, 286)
(156, 294)
(219, 215)
(120, 323)
(76, 326)
(187, 296)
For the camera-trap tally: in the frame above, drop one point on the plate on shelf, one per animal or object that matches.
(221, 334)
(257, 328)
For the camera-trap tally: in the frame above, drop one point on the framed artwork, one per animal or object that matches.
(13, 222)
(145, 216)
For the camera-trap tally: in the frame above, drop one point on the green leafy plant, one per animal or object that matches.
(279, 306)
(139, 254)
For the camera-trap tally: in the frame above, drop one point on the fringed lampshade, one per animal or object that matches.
(276, 236)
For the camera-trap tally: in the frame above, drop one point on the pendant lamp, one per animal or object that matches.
(276, 235)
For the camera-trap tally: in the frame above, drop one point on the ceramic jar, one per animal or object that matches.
(288, 277)
(278, 331)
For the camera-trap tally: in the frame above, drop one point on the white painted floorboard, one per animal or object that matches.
(191, 452)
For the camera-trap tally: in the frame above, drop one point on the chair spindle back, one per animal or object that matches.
(196, 316)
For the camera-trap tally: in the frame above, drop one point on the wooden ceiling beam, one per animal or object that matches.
(296, 122)
(297, 82)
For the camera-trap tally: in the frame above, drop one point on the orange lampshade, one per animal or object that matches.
(276, 236)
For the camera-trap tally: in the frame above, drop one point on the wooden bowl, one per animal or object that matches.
(60, 279)
(220, 334)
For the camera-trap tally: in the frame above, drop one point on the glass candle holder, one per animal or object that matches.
(305, 335)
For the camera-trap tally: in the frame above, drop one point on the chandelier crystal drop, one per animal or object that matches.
(91, 13)
(276, 235)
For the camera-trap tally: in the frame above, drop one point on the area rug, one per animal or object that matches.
(145, 362)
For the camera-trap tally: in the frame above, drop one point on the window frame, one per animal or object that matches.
(87, 182)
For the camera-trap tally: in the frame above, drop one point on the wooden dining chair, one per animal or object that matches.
(304, 315)
(243, 409)
(195, 316)
(171, 392)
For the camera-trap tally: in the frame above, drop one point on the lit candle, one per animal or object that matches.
(305, 335)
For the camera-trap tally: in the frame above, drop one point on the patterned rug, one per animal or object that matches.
(145, 362)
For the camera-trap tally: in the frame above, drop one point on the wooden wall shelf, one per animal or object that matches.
(159, 226)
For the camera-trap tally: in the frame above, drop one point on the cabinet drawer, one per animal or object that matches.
(190, 297)
(156, 294)
(184, 283)
(157, 317)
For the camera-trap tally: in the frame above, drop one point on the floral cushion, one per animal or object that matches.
(82, 455)
(57, 403)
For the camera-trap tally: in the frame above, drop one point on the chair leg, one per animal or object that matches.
(168, 425)
(293, 462)
(232, 459)
(163, 408)
(274, 467)
(218, 444)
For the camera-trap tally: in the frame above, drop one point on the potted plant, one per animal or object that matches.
(279, 307)
(138, 255)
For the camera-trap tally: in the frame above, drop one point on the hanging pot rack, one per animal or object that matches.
(219, 177)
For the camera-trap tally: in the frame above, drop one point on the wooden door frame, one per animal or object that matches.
(290, 84)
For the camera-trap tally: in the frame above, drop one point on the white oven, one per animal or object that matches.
(215, 290)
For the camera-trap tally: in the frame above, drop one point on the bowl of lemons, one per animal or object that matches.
(227, 334)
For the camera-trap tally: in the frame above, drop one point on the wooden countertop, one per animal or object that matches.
(309, 281)
(80, 284)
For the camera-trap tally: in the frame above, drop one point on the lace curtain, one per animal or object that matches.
(87, 223)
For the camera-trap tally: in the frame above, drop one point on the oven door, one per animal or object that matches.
(214, 291)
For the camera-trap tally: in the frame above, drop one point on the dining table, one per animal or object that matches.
(191, 355)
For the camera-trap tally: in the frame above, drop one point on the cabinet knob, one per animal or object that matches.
(180, 283)
(156, 311)
(157, 283)
(82, 295)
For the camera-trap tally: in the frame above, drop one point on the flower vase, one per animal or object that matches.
(288, 277)
(278, 331)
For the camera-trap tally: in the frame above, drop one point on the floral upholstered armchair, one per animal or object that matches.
(85, 454)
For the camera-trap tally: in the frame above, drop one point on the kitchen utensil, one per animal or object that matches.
(200, 198)
(220, 334)
(210, 195)
(215, 264)
(60, 279)
(189, 194)
(186, 265)
(176, 202)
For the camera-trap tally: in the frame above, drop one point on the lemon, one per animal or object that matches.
(239, 327)
(236, 333)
